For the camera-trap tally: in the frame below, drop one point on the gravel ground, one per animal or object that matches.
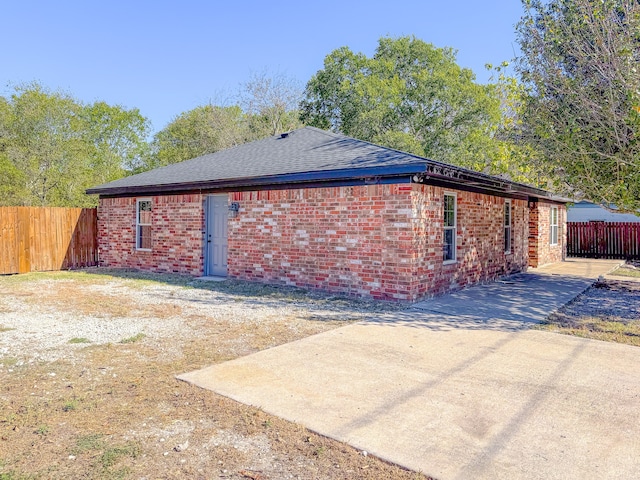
(36, 328)
(607, 299)
(41, 331)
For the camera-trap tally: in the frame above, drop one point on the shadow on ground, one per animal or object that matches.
(254, 294)
(513, 304)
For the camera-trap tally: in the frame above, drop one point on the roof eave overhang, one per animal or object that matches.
(270, 180)
(553, 198)
(453, 177)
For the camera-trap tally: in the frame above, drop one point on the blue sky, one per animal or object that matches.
(168, 57)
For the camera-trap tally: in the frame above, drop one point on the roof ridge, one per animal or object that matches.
(342, 135)
(328, 133)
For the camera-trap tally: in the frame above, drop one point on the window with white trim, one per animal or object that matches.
(449, 228)
(143, 224)
(507, 226)
(553, 226)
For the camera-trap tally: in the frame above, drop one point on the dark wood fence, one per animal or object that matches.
(47, 238)
(603, 240)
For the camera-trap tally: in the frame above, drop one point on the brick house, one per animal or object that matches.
(320, 210)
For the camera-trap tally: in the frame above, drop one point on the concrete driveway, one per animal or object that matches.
(459, 389)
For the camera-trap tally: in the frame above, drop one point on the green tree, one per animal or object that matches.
(10, 178)
(117, 138)
(44, 145)
(582, 113)
(52, 147)
(205, 129)
(411, 96)
(509, 156)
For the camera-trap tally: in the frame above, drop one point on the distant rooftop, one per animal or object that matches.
(590, 212)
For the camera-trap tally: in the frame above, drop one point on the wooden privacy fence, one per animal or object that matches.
(603, 240)
(34, 239)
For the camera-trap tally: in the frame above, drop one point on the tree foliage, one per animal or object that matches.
(202, 130)
(414, 97)
(582, 112)
(118, 138)
(53, 147)
(510, 157)
(266, 105)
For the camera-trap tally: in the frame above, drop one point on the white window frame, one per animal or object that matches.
(507, 223)
(554, 230)
(453, 227)
(140, 224)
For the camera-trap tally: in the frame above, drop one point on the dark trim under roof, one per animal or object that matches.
(310, 157)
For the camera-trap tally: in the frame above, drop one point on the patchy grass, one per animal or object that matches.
(134, 338)
(76, 276)
(241, 289)
(105, 459)
(42, 430)
(111, 455)
(608, 311)
(626, 272)
(85, 443)
(92, 302)
(614, 330)
(79, 340)
(135, 280)
(5, 329)
(8, 361)
(70, 405)
(13, 475)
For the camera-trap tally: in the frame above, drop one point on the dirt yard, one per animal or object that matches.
(87, 387)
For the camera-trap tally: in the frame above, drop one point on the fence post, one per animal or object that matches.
(24, 240)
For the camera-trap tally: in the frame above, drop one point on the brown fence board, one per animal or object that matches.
(47, 238)
(603, 240)
(9, 258)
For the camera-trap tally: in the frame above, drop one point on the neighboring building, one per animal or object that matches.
(319, 210)
(590, 212)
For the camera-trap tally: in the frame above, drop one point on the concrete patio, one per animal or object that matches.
(461, 389)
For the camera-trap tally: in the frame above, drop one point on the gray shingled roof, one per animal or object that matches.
(301, 151)
(307, 156)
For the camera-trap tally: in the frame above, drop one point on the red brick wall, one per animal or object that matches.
(480, 252)
(378, 241)
(541, 252)
(176, 233)
(534, 218)
(382, 241)
(354, 240)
